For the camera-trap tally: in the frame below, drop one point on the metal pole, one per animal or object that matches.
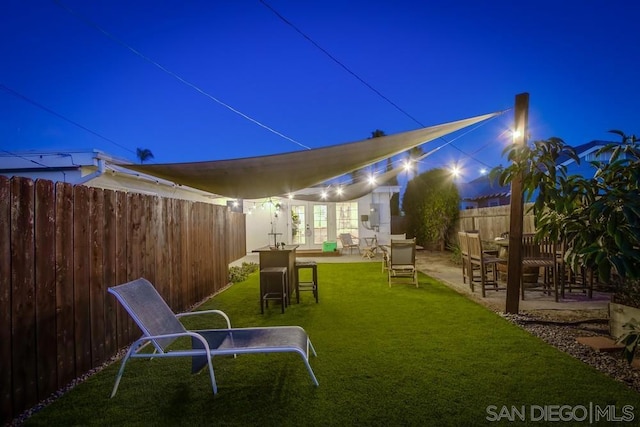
(514, 270)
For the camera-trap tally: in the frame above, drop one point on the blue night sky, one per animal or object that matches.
(438, 61)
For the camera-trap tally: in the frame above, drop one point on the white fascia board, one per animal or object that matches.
(34, 159)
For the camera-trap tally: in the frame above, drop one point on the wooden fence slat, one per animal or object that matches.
(134, 250)
(6, 386)
(122, 317)
(82, 278)
(184, 281)
(65, 334)
(45, 274)
(23, 311)
(97, 290)
(159, 231)
(176, 249)
(150, 238)
(220, 245)
(109, 273)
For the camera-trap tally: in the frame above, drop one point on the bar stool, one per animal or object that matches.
(273, 286)
(307, 286)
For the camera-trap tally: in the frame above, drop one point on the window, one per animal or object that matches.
(347, 218)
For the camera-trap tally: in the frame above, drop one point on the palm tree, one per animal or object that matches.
(377, 133)
(144, 154)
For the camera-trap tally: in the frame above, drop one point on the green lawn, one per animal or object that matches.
(386, 356)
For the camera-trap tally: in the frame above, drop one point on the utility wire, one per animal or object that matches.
(334, 59)
(174, 75)
(360, 79)
(23, 158)
(50, 111)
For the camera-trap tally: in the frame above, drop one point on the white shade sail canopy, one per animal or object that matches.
(282, 174)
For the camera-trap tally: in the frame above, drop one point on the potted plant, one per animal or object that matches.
(624, 308)
(630, 338)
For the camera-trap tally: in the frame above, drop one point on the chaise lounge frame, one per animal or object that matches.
(161, 327)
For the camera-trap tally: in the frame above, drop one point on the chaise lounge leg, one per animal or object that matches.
(121, 371)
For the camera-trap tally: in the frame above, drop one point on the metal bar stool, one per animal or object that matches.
(273, 286)
(307, 286)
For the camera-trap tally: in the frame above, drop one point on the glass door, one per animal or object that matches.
(300, 228)
(320, 225)
(309, 225)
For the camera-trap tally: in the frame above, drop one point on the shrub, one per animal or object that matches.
(431, 203)
(240, 273)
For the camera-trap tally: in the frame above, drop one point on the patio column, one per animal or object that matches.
(514, 271)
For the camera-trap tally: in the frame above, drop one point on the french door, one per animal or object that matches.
(309, 224)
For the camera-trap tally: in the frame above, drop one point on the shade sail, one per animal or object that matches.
(351, 191)
(281, 174)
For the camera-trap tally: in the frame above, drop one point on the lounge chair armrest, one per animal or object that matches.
(220, 312)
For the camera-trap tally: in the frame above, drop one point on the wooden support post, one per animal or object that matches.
(514, 271)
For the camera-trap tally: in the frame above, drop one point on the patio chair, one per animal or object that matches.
(349, 242)
(385, 248)
(538, 254)
(402, 261)
(371, 247)
(161, 327)
(482, 262)
(464, 255)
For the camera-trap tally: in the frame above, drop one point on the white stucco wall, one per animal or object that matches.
(261, 219)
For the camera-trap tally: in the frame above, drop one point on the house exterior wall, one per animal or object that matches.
(262, 219)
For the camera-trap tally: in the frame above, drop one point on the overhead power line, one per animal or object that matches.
(360, 79)
(50, 111)
(337, 61)
(175, 75)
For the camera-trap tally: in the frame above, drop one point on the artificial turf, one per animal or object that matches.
(386, 356)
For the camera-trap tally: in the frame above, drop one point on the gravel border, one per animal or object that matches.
(562, 335)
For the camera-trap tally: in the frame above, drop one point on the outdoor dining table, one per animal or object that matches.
(530, 274)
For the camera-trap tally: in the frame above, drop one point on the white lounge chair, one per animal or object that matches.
(161, 327)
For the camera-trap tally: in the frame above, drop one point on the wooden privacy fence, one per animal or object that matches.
(491, 222)
(62, 246)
